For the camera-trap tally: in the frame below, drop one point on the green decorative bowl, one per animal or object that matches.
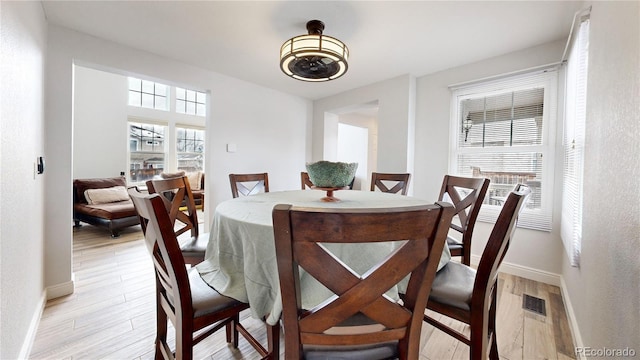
(327, 174)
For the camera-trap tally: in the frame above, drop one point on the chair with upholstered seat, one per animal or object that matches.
(466, 194)
(382, 180)
(248, 184)
(179, 202)
(360, 321)
(194, 308)
(469, 295)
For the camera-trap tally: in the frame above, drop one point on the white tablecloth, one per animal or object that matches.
(240, 261)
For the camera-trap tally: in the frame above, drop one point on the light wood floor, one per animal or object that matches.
(111, 314)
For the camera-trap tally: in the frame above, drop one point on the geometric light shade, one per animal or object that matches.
(314, 57)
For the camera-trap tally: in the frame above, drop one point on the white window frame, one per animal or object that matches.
(538, 219)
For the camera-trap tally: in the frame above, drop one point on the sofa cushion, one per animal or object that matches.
(195, 180)
(165, 175)
(81, 185)
(110, 211)
(106, 195)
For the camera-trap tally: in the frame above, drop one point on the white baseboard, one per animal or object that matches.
(573, 324)
(525, 272)
(25, 349)
(59, 290)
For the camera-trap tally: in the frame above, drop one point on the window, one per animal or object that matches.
(190, 149)
(148, 94)
(573, 142)
(191, 102)
(147, 151)
(501, 131)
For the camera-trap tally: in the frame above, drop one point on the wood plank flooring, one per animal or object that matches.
(111, 314)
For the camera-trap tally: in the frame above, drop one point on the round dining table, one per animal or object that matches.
(240, 261)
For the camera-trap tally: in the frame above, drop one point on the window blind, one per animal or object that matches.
(574, 143)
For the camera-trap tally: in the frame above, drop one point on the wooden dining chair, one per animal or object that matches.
(360, 321)
(400, 182)
(180, 203)
(305, 181)
(248, 184)
(469, 295)
(194, 308)
(467, 195)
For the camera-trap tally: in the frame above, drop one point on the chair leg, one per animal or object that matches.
(161, 327)
(273, 341)
(493, 353)
(232, 331)
(184, 340)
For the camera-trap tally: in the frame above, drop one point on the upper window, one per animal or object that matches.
(502, 132)
(147, 151)
(190, 149)
(148, 94)
(191, 102)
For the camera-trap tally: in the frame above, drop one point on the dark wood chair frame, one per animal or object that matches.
(482, 314)
(305, 181)
(237, 188)
(179, 201)
(402, 182)
(174, 299)
(467, 210)
(299, 233)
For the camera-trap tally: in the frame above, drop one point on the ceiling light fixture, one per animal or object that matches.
(314, 57)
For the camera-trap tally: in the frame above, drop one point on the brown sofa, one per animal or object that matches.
(113, 216)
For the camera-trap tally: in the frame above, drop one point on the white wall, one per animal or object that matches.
(100, 132)
(255, 118)
(395, 103)
(353, 147)
(605, 289)
(363, 177)
(23, 42)
(100, 124)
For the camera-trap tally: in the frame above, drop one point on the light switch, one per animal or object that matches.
(231, 147)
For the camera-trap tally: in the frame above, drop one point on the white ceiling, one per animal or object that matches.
(386, 39)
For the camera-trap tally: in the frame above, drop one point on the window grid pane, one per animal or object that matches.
(191, 102)
(190, 149)
(147, 151)
(147, 94)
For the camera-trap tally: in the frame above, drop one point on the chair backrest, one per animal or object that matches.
(299, 233)
(305, 181)
(380, 181)
(162, 244)
(255, 183)
(176, 195)
(497, 246)
(466, 194)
